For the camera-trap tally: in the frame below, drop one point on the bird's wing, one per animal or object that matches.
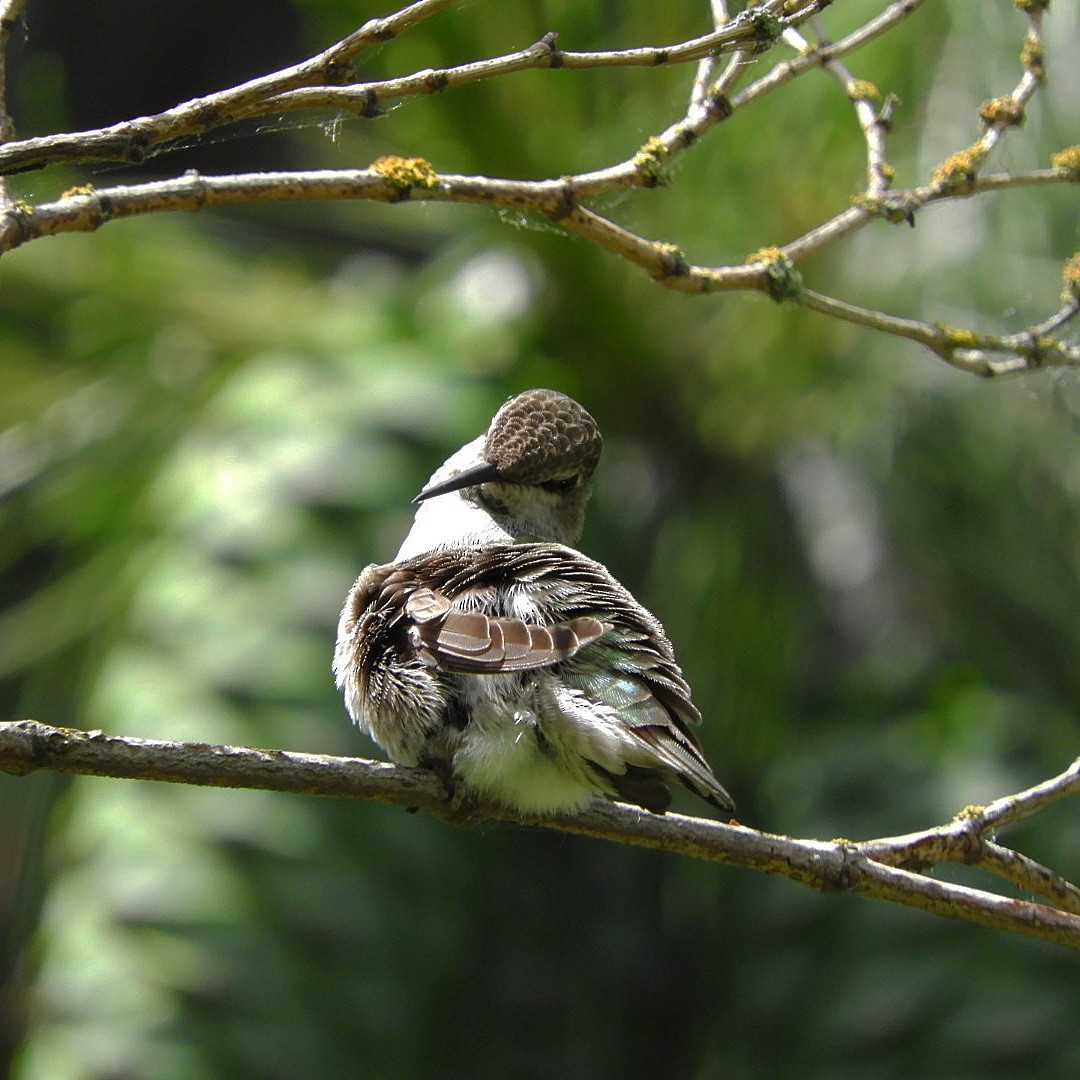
(470, 641)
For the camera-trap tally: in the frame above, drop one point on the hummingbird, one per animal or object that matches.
(495, 653)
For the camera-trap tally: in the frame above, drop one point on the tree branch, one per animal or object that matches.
(325, 81)
(882, 869)
(322, 81)
(131, 140)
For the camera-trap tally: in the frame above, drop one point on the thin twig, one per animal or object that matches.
(862, 95)
(1013, 808)
(319, 82)
(787, 70)
(706, 68)
(979, 354)
(1029, 875)
(966, 839)
(132, 140)
(10, 12)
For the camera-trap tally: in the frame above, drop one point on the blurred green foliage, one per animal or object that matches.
(869, 565)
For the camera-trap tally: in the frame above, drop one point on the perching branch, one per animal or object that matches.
(888, 869)
(327, 81)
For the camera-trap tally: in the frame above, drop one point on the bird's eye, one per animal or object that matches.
(560, 487)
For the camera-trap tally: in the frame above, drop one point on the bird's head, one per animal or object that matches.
(532, 471)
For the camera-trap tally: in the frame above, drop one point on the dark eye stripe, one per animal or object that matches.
(559, 486)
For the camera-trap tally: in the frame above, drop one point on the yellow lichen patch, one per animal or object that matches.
(1070, 275)
(958, 339)
(651, 162)
(891, 206)
(784, 280)
(1033, 56)
(1068, 160)
(958, 171)
(1001, 111)
(766, 254)
(863, 90)
(405, 173)
(81, 189)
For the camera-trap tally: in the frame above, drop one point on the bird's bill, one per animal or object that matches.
(482, 473)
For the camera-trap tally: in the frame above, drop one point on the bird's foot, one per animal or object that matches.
(459, 806)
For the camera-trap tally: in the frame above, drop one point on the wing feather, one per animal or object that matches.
(470, 641)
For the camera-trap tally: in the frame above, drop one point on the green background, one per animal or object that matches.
(869, 563)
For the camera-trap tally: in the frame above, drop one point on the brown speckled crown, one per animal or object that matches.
(540, 435)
